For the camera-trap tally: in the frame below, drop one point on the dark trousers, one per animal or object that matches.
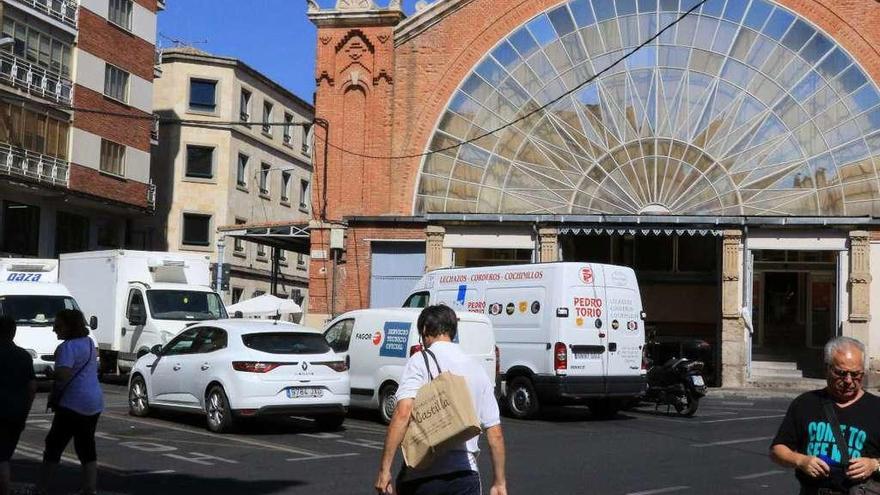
(68, 424)
(458, 483)
(10, 431)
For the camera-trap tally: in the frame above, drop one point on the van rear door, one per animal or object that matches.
(626, 332)
(584, 331)
(476, 340)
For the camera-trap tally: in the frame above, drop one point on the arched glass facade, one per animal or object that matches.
(743, 108)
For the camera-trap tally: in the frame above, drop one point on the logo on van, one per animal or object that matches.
(587, 275)
(615, 324)
(377, 337)
(633, 325)
(495, 309)
(536, 307)
(619, 278)
(523, 306)
(24, 277)
(510, 308)
(396, 343)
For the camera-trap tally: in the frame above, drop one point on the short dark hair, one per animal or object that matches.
(438, 320)
(74, 323)
(7, 328)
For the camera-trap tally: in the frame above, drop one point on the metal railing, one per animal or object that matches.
(151, 196)
(154, 130)
(160, 4)
(66, 11)
(20, 162)
(35, 79)
(157, 63)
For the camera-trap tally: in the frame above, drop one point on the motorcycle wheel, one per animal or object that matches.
(692, 402)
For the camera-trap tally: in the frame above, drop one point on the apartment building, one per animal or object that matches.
(76, 88)
(226, 165)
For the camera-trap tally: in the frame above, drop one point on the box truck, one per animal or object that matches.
(30, 293)
(568, 332)
(138, 299)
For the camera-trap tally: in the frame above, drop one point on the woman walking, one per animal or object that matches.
(76, 399)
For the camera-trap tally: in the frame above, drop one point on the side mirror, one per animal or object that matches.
(93, 322)
(156, 349)
(238, 315)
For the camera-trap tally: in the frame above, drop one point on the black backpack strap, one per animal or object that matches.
(425, 353)
(831, 416)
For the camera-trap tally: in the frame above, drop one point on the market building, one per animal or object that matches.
(727, 150)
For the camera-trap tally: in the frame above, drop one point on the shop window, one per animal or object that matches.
(109, 234)
(21, 229)
(196, 229)
(200, 162)
(71, 233)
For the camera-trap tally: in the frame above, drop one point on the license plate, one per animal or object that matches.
(589, 356)
(304, 392)
(698, 381)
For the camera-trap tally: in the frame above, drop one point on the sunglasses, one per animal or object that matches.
(842, 374)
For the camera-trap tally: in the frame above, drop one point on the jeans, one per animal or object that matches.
(458, 483)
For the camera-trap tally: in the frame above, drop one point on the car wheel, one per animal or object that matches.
(387, 402)
(521, 399)
(330, 422)
(217, 410)
(138, 400)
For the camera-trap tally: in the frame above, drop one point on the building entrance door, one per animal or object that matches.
(794, 302)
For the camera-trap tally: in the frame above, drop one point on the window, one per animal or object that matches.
(303, 194)
(112, 158)
(168, 304)
(241, 175)
(38, 47)
(199, 162)
(306, 146)
(210, 340)
(300, 259)
(285, 186)
(417, 300)
(244, 105)
(267, 117)
(339, 335)
(196, 229)
(202, 95)
(264, 178)
(182, 344)
(237, 292)
(238, 243)
(136, 308)
(261, 253)
(282, 256)
(71, 233)
(120, 13)
(286, 343)
(288, 120)
(21, 229)
(116, 83)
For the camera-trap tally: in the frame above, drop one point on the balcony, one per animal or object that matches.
(34, 79)
(151, 196)
(154, 131)
(160, 4)
(65, 11)
(19, 162)
(157, 64)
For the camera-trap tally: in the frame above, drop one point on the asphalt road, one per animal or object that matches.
(720, 451)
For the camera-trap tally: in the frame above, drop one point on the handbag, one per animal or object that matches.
(56, 395)
(443, 415)
(869, 486)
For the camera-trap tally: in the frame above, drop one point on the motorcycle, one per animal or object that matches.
(673, 380)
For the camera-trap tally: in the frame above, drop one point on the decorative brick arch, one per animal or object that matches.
(430, 65)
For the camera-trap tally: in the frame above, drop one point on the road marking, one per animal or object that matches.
(731, 442)
(148, 473)
(661, 490)
(35, 452)
(738, 404)
(256, 443)
(748, 418)
(759, 475)
(318, 457)
(361, 442)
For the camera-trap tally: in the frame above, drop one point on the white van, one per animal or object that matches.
(30, 293)
(568, 332)
(377, 343)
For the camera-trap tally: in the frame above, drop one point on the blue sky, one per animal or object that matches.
(272, 36)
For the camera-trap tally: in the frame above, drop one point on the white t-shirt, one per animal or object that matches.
(452, 359)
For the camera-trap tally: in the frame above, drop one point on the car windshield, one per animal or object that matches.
(286, 343)
(185, 305)
(35, 310)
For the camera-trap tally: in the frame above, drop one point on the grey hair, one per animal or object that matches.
(838, 344)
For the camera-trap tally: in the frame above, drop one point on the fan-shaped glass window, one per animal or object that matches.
(742, 108)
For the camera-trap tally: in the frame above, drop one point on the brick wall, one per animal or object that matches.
(353, 271)
(93, 182)
(115, 45)
(134, 132)
(147, 4)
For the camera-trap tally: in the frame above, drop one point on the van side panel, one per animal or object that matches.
(517, 314)
(88, 279)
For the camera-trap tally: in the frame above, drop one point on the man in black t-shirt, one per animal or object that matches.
(17, 389)
(805, 440)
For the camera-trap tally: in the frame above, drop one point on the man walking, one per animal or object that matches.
(17, 389)
(806, 439)
(455, 470)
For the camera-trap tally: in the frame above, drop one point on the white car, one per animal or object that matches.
(229, 369)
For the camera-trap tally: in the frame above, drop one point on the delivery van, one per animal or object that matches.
(138, 299)
(568, 332)
(30, 293)
(377, 342)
